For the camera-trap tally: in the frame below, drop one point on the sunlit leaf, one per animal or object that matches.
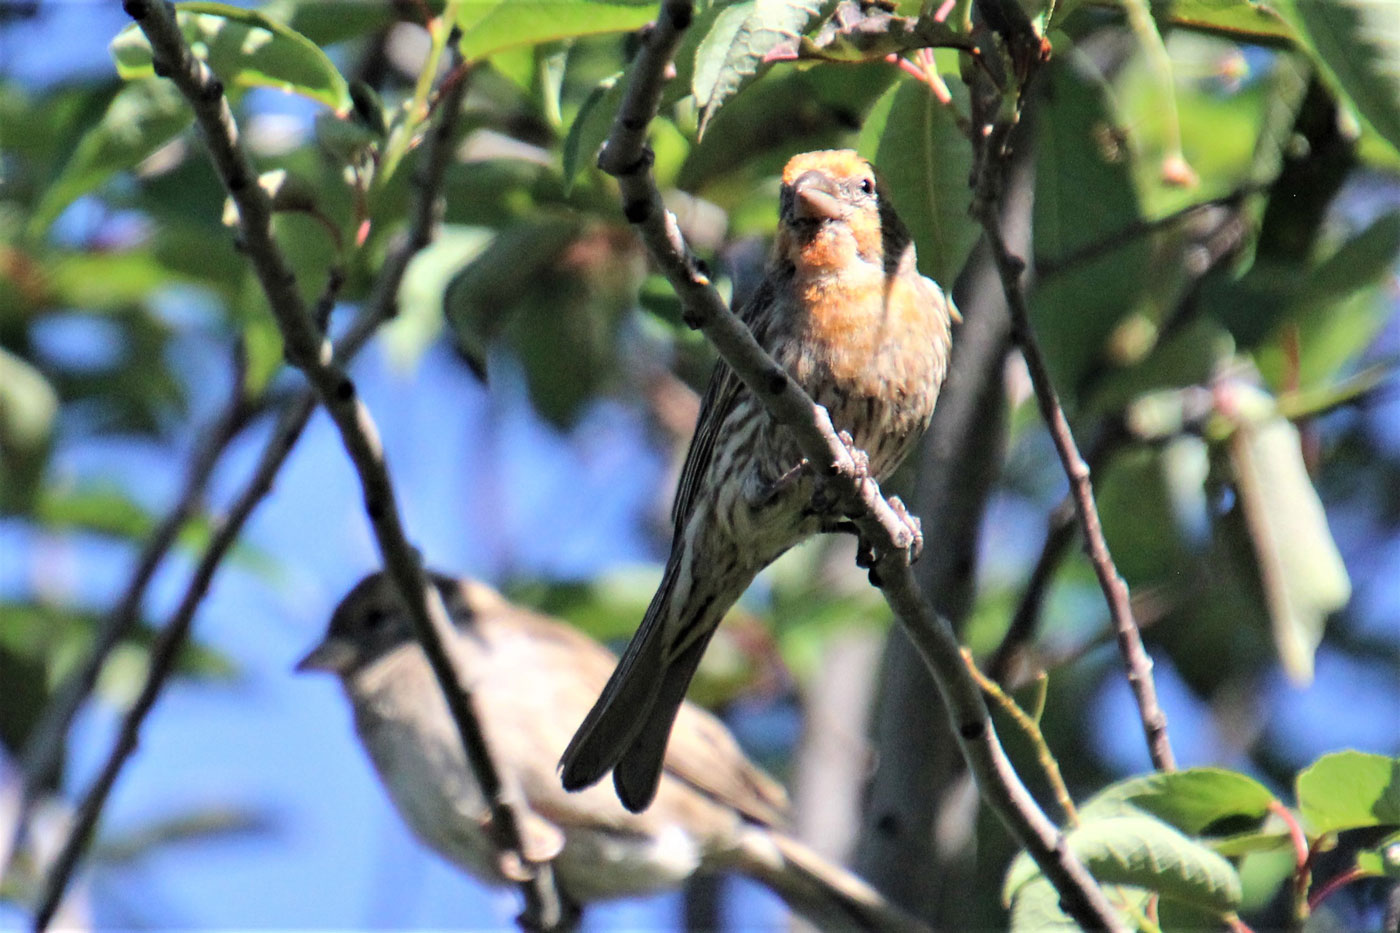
(489, 26)
(244, 48)
(733, 52)
(1350, 790)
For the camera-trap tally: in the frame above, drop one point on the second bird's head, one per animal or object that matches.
(832, 212)
(372, 622)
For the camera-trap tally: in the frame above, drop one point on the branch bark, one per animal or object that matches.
(627, 158)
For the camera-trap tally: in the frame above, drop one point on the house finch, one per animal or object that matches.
(843, 309)
(534, 677)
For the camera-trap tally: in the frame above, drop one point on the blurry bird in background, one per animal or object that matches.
(843, 309)
(533, 679)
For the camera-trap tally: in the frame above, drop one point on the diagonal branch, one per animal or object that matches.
(991, 161)
(626, 157)
(310, 352)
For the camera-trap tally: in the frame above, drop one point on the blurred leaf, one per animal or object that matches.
(1358, 41)
(1242, 18)
(1349, 790)
(482, 295)
(924, 162)
(1299, 566)
(327, 22)
(105, 281)
(202, 825)
(141, 118)
(1084, 200)
(28, 407)
(424, 287)
(733, 51)
(591, 126)
(489, 26)
(244, 48)
(1382, 860)
(1145, 853)
(102, 509)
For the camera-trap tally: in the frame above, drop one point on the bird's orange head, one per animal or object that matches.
(831, 213)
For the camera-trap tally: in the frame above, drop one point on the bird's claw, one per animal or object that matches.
(913, 536)
(860, 461)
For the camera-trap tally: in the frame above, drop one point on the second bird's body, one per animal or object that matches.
(843, 309)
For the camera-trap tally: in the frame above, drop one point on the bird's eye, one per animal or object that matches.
(867, 185)
(375, 618)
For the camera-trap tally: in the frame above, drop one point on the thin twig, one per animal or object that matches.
(1059, 535)
(1031, 728)
(991, 166)
(311, 353)
(627, 157)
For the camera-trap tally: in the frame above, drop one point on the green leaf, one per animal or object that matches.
(1035, 908)
(1084, 200)
(1145, 853)
(733, 51)
(1245, 19)
(924, 163)
(419, 320)
(1358, 41)
(591, 125)
(482, 296)
(489, 26)
(140, 119)
(1194, 799)
(1300, 568)
(1350, 790)
(1382, 860)
(245, 49)
(28, 406)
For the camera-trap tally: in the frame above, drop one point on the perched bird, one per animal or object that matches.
(533, 678)
(842, 307)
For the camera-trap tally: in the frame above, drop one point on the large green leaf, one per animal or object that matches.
(1359, 43)
(141, 118)
(489, 26)
(1190, 800)
(924, 163)
(1145, 853)
(245, 49)
(733, 51)
(1350, 790)
(28, 406)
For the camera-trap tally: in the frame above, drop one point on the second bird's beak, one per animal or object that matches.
(332, 656)
(814, 197)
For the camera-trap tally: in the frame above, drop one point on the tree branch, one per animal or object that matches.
(991, 161)
(308, 350)
(626, 157)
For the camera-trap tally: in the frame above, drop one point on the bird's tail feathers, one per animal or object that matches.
(827, 895)
(637, 773)
(620, 712)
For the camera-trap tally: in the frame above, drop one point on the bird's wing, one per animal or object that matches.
(720, 397)
(703, 754)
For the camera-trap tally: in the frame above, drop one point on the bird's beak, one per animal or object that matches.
(815, 197)
(332, 656)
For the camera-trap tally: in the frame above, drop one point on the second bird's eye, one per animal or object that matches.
(867, 185)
